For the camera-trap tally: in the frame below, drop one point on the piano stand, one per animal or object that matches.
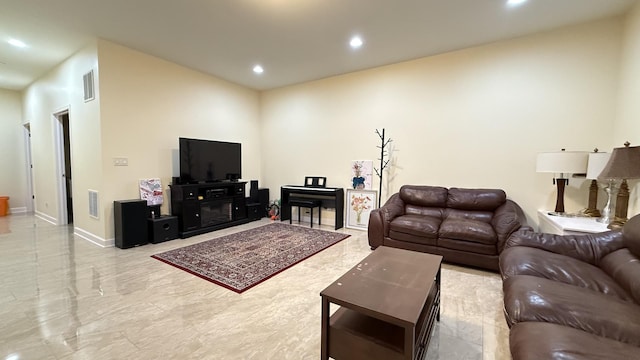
(326, 196)
(306, 203)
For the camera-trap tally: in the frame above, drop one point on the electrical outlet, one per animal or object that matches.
(120, 161)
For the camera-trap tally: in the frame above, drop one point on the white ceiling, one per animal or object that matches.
(294, 40)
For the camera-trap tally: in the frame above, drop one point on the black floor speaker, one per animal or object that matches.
(263, 199)
(130, 223)
(253, 192)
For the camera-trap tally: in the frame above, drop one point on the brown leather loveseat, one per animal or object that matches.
(573, 297)
(465, 226)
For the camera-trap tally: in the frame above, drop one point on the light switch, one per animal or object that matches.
(120, 161)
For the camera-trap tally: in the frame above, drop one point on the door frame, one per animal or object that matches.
(29, 160)
(58, 144)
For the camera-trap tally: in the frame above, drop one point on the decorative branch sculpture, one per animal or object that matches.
(383, 163)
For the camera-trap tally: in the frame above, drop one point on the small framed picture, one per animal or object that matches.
(359, 206)
(151, 190)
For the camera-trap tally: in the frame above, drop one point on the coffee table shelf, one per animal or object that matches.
(388, 307)
(375, 339)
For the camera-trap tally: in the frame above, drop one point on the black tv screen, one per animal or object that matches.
(209, 161)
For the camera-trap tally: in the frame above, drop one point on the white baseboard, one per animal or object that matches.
(18, 210)
(93, 238)
(47, 218)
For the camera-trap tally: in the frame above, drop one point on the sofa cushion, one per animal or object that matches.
(477, 215)
(467, 246)
(590, 248)
(475, 199)
(469, 230)
(624, 268)
(426, 226)
(631, 235)
(539, 340)
(410, 209)
(530, 298)
(522, 260)
(426, 196)
(411, 238)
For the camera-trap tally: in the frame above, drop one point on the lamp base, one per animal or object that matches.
(560, 183)
(609, 188)
(592, 210)
(617, 224)
(622, 203)
(592, 213)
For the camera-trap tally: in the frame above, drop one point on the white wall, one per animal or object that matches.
(60, 89)
(13, 180)
(470, 118)
(627, 123)
(148, 103)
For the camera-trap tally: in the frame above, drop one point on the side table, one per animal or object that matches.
(567, 225)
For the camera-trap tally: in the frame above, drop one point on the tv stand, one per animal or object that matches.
(206, 207)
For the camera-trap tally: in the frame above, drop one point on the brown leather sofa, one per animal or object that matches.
(573, 297)
(465, 226)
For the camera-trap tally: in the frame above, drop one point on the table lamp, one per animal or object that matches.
(595, 164)
(624, 164)
(563, 163)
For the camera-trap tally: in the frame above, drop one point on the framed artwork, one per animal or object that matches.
(359, 206)
(151, 190)
(361, 174)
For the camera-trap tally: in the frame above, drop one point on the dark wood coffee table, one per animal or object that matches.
(389, 303)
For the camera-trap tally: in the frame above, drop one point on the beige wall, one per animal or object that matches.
(13, 179)
(143, 104)
(148, 103)
(470, 118)
(62, 89)
(627, 124)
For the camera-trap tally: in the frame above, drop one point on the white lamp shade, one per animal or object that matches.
(597, 162)
(566, 162)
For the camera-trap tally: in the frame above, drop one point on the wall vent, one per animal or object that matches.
(93, 204)
(89, 90)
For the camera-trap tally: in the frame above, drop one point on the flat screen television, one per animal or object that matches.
(209, 161)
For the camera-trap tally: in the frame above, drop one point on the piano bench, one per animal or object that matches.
(306, 203)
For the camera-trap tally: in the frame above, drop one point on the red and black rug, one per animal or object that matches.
(242, 260)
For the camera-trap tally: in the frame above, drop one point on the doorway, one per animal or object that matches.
(27, 145)
(63, 155)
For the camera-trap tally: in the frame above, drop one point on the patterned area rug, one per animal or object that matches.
(245, 259)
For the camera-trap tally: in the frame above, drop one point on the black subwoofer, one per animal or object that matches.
(254, 211)
(163, 228)
(130, 218)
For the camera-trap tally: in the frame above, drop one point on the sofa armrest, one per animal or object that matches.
(379, 220)
(507, 219)
(590, 248)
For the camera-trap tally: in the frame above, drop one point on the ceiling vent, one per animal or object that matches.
(93, 204)
(89, 90)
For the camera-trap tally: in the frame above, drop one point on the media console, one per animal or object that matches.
(201, 208)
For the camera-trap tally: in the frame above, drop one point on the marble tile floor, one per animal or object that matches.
(62, 297)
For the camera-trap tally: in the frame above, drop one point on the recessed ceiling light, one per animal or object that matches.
(515, 2)
(355, 42)
(258, 69)
(17, 43)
